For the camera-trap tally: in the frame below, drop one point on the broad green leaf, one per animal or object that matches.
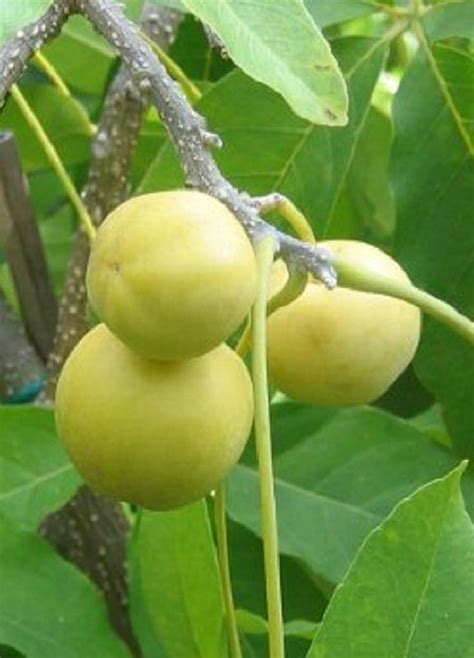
(364, 457)
(301, 598)
(339, 482)
(327, 12)
(81, 56)
(61, 117)
(432, 173)
(36, 476)
(366, 210)
(57, 233)
(322, 532)
(17, 14)
(450, 19)
(175, 570)
(410, 591)
(47, 607)
(279, 45)
(306, 162)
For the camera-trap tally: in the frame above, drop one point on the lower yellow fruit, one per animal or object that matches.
(160, 434)
(341, 347)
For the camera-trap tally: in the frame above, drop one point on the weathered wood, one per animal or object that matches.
(21, 370)
(24, 251)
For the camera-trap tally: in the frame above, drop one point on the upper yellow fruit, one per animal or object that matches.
(341, 347)
(172, 274)
(160, 434)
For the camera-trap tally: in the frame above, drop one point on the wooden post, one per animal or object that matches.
(24, 251)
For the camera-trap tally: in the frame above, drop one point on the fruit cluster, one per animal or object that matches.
(152, 406)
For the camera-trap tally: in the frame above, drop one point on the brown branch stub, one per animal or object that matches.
(21, 240)
(17, 51)
(191, 137)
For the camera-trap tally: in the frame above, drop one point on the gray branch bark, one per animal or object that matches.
(15, 53)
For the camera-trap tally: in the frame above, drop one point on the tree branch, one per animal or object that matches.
(191, 138)
(15, 53)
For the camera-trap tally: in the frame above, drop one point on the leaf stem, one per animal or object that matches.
(293, 288)
(51, 72)
(264, 251)
(175, 71)
(54, 160)
(224, 570)
(353, 276)
(296, 219)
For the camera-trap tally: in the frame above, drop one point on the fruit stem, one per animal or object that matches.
(54, 160)
(175, 71)
(296, 219)
(224, 570)
(293, 288)
(353, 276)
(264, 252)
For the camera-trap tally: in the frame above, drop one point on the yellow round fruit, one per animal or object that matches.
(341, 347)
(172, 274)
(160, 434)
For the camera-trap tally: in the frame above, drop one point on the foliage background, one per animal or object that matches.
(359, 494)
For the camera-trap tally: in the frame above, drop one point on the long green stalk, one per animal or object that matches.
(224, 571)
(264, 251)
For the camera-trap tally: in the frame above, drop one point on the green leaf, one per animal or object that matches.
(450, 19)
(366, 203)
(175, 570)
(280, 46)
(339, 482)
(61, 117)
(410, 591)
(81, 56)
(327, 534)
(15, 15)
(327, 12)
(434, 241)
(47, 607)
(172, 4)
(36, 476)
(306, 162)
(192, 51)
(253, 624)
